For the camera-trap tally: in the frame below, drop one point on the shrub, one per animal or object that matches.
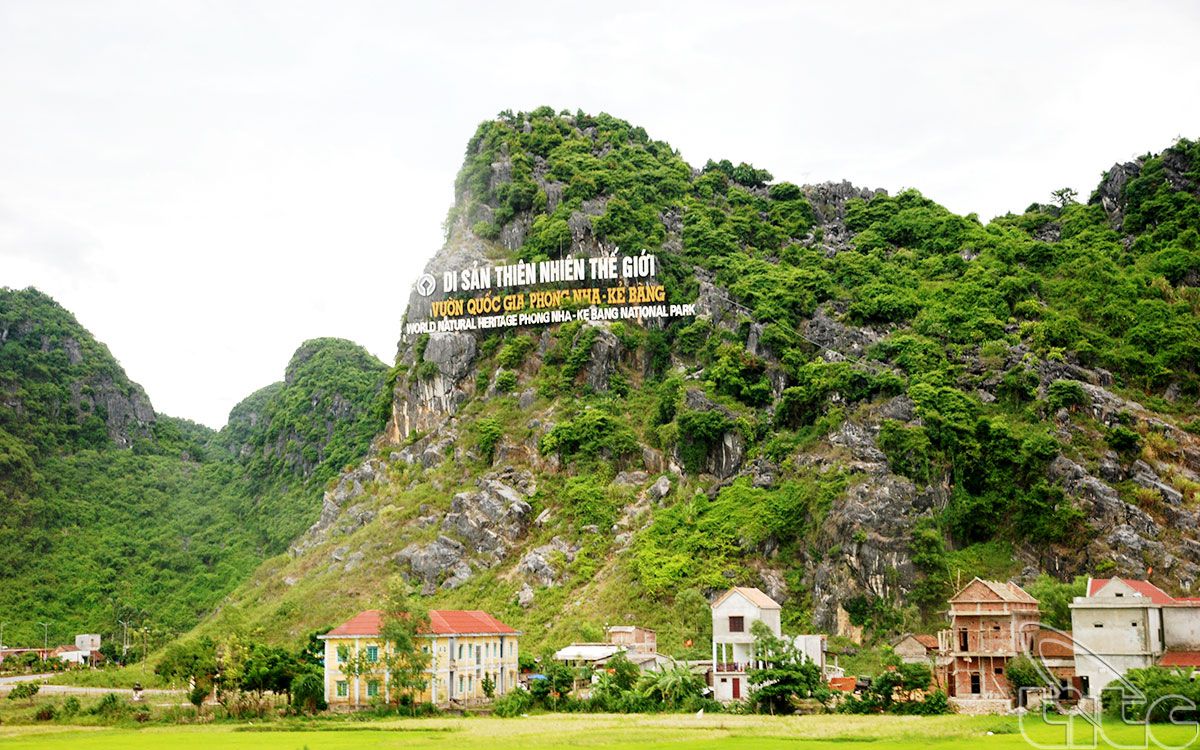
(699, 432)
(1123, 440)
(1066, 394)
(592, 433)
(512, 354)
(488, 432)
(506, 381)
(907, 449)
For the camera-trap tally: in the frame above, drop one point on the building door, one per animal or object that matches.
(1083, 685)
(737, 688)
(962, 641)
(452, 685)
(975, 684)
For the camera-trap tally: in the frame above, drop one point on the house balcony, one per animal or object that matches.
(732, 667)
(985, 642)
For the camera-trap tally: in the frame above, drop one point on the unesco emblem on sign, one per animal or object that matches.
(426, 285)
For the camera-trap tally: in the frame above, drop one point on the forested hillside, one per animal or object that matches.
(113, 512)
(877, 399)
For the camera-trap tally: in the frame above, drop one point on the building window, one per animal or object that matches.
(1083, 685)
(460, 650)
(341, 654)
(999, 670)
(1099, 624)
(478, 654)
(1120, 594)
(343, 689)
(974, 684)
(1133, 624)
(372, 688)
(737, 624)
(372, 653)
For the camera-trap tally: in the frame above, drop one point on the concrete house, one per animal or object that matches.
(733, 614)
(464, 646)
(990, 623)
(1123, 624)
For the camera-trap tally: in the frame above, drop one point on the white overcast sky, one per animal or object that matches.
(208, 184)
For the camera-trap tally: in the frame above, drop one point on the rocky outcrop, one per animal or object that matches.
(489, 520)
(332, 520)
(724, 457)
(441, 562)
(545, 564)
(867, 531)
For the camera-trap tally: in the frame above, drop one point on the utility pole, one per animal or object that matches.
(45, 639)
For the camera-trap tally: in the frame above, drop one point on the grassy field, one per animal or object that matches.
(578, 731)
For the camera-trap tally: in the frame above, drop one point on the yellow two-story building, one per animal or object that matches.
(465, 646)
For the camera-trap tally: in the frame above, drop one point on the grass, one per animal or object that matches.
(110, 677)
(592, 731)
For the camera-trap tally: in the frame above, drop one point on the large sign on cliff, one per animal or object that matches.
(609, 287)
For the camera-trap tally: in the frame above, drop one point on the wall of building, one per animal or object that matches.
(736, 605)
(456, 669)
(1116, 629)
(1181, 626)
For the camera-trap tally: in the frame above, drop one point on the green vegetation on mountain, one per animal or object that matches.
(878, 399)
(113, 512)
(875, 404)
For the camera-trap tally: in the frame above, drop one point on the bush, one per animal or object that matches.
(1066, 394)
(24, 691)
(591, 434)
(506, 381)
(488, 432)
(1123, 440)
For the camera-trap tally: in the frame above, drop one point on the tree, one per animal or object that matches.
(671, 686)
(1054, 599)
(559, 681)
(308, 691)
(405, 659)
(693, 614)
(1064, 196)
(24, 691)
(1022, 673)
(623, 672)
(190, 662)
(269, 668)
(488, 685)
(788, 673)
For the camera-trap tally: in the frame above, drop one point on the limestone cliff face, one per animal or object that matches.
(59, 378)
(456, 508)
(314, 416)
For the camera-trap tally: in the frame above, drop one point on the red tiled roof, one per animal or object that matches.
(928, 641)
(1145, 588)
(1180, 659)
(441, 622)
(460, 621)
(368, 622)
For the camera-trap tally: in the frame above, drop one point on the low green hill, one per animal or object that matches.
(113, 512)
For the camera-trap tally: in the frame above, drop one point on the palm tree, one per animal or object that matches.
(671, 686)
